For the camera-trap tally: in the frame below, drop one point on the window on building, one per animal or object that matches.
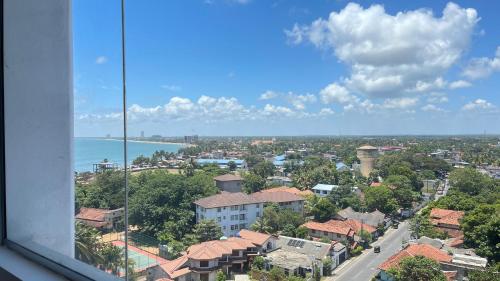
(204, 263)
(218, 210)
(242, 217)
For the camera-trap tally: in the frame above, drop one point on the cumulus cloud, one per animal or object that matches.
(459, 84)
(482, 67)
(334, 93)
(399, 103)
(437, 97)
(478, 104)
(267, 95)
(390, 55)
(326, 111)
(101, 60)
(299, 101)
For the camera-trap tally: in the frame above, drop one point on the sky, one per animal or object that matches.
(274, 68)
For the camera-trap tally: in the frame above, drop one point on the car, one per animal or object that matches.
(376, 249)
(395, 225)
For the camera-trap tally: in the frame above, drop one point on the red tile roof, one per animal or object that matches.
(257, 238)
(91, 214)
(443, 216)
(228, 177)
(276, 196)
(292, 190)
(227, 199)
(173, 268)
(332, 226)
(416, 250)
(217, 248)
(357, 226)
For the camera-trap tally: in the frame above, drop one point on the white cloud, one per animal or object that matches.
(334, 93)
(482, 67)
(326, 112)
(432, 107)
(101, 60)
(399, 103)
(172, 88)
(478, 105)
(459, 84)
(392, 54)
(267, 95)
(437, 97)
(299, 101)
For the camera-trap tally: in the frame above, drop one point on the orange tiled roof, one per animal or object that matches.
(443, 216)
(292, 190)
(173, 268)
(217, 248)
(276, 196)
(256, 238)
(332, 226)
(227, 199)
(356, 226)
(228, 177)
(416, 250)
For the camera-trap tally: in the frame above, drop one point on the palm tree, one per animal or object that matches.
(87, 244)
(112, 258)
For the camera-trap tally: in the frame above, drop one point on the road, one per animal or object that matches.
(446, 187)
(364, 267)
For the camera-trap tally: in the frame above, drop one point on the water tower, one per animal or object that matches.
(367, 155)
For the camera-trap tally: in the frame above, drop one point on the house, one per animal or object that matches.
(222, 163)
(323, 190)
(333, 229)
(297, 256)
(341, 167)
(232, 211)
(228, 182)
(412, 250)
(284, 199)
(202, 261)
(447, 221)
(374, 219)
(279, 180)
(100, 218)
(293, 190)
(263, 242)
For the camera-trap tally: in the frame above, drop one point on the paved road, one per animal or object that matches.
(364, 267)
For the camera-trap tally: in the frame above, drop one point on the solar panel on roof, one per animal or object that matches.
(301, 244)
(290, 242)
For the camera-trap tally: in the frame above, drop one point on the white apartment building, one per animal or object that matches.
(232, 211)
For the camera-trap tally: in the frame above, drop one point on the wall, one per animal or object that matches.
(225, 215)
(39, 123)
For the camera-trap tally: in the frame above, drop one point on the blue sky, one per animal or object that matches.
(252, 67)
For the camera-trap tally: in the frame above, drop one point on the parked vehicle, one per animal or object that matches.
(376, 249)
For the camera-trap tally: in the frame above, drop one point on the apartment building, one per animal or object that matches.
(283, 198)
(232, 211)
(103, 219)
(229, 182)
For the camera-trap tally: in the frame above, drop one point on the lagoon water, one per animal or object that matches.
(89, 151)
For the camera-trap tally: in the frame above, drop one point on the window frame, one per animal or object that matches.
(70, 268)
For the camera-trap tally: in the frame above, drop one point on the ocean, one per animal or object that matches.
(89, 151)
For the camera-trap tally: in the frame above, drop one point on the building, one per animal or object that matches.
(142, 134)
(293, 190)
(333, 229)
(412, 250)
(297, 256)
(232, 211)
(222, 163)
(341, 167)
(229, 183)
(374, 219)
(101, 218)
(284, 199)
(323, 190)
(279, 180)
(447, 221)
(201, 262)
(191, 139)
(367, 155)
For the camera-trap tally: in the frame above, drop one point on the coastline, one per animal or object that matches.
(151, 142)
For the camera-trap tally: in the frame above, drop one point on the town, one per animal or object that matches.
(299, 208)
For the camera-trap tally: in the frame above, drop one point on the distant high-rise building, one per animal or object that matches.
(367, 155)
(191, 139)
(142, 134)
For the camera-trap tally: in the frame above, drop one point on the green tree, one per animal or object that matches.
(417, 268)
(301, 232)
(253, 183)
(316, 273)
(258, 263)
(489, 274)
(113, 258)
(327, 266)
(263, 169)
(324, 210)
(276, 274)
(288, 230)
(481, 229)
(87, 244)
(207, 230)
(380, 198)
(365, 236)
(470, 181)
(220, 276)
(232, 166)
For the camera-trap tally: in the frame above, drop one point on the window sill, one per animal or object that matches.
(25, 269)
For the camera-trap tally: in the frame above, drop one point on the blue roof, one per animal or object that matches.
(219, 161)
(340, 165)
(278, 163)
(279, 157)
(327, 187)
